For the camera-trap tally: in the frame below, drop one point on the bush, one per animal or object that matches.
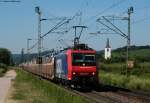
(115, 67)
(135, 71)
(131, 82)
(5, 56)
(113, 79)
(134, 83)
(137, 83)
(3, 66)
(3, 69)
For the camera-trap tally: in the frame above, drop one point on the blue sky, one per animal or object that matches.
(18, 21)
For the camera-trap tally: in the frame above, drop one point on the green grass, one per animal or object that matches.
(30, 89)
(131, 82)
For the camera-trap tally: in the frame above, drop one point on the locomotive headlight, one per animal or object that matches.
(74, 73)
(93, 73)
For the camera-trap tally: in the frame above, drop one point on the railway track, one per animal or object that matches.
(96, 97)
(116, 95)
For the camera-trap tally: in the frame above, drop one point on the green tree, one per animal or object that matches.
(5, 56)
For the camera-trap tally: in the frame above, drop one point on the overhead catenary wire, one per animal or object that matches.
(62, 41)
(141, 20)
(10, 1)
(59, 24)
(62, 22)
(121, 33)
(53, 28)
(79, 13)
(62, 33)
(33, 46)
(111, 28)
(106, 9)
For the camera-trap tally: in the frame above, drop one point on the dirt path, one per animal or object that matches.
(5, 84)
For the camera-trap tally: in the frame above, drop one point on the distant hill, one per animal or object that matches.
(137, 53)
(132, 48)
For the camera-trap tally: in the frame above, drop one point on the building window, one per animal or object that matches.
(107, 49)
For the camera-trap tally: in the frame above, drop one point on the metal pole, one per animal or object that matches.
(75, 32)
(130, 10)
(39, 41)
(39, 34)
(22, 55)
(129, 28)
(28, 52)
(37, 10)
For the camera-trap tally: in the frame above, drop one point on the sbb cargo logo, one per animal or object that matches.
(59, 67)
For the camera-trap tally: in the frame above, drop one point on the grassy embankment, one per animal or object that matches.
(3, 69)
(115, 74)
(30, 89)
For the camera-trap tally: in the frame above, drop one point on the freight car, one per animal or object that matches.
(72, 67)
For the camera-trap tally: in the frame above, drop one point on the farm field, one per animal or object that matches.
(27, 88)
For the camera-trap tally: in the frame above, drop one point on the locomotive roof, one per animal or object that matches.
(78, 47)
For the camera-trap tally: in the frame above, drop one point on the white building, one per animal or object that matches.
(107, 50)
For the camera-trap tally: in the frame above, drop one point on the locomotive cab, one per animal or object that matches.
(83, 64)
(84, 70)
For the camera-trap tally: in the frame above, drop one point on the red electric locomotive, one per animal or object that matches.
(76, 66)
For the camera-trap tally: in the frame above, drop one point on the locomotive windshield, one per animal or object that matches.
(80, 59)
